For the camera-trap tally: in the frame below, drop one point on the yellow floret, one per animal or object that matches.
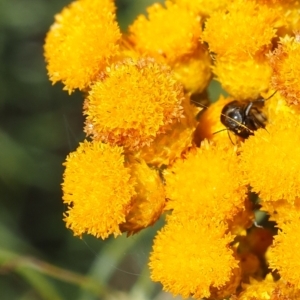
(284, 255)
(80, 42)
(268, 289)
(202, 7)
(135, 102)
(148, 203)
(167, 33)
(207, 182)
(97, 189)
(270, 159)
(191, 255)
(243, 79)
(285, 62)
(241, 30)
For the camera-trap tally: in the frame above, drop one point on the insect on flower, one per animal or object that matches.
(244, 117)
(241, 117)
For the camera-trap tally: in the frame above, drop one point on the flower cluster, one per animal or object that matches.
(152, 149)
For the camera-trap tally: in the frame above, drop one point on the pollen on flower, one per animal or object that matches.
(80, 42)
(207, 181)
(233, 32)
(97, 188)
(270, 159)
(191, 255)
(135, 102)
(285, 63)
(168, 32)
(284, 255)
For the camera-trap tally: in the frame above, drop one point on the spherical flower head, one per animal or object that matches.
(148, 203)
(135, 102)
(167, 33)
(268, 290)
(97, 189)
(285, 63)
(194, 71)
(270, 159)
(191, 255)
(80, 42)
(289, 14)
(233, 32)
(202, 7)
(206, 181)
(284, 256)
(280, 211)
(243, 79)
(276, 106)
(177, 140)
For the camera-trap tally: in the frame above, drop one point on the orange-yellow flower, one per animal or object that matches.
(194, 71)
(284, 255)
(168, 33)
(167, 147)
(191, 255)
(148, 203)
(243, 79)
(280, 211)
(285, 62)
(97, 189)
(207, 181)
(241, 29)
(268, 289)
(202, 7)
(171, 34)
(135, 102)
(270, 159)
(289, 14)
(80, 42)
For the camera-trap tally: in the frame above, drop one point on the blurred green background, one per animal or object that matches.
(40, 125)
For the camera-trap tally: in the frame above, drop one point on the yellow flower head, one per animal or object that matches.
(270, 159)
(233, 31)
(148, 203)
(284, 255)
(135, 102)
(289, 14)
(194, 71)
(80, 42)
(97, 188)
(202, 7)
(192, 255)
(168, 33)
(243, 79)
(280, 211)
(285, 62)
(268, 290)
(167, 147)
(206, 182)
